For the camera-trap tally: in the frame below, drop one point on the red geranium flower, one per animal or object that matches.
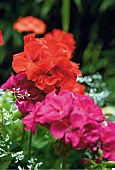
(46, 62)
(36, 49)
(55, 73)
(63, 37)
(57, 48)
(64, 69)
(30, 23)
(1, 38)
(30, 55)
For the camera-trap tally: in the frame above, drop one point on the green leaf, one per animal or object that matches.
(106, 4)
(40, 143)
(7, 34)
(5, 165)
(112, 43)
(2, 56)
(87, 54)
(108, 53)
(47, 5)
(79, 5)
(65, 12)
(14, 144)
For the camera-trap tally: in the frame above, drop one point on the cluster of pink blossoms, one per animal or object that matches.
(76, 119)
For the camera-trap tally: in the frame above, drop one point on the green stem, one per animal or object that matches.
(63, 163)
(2, 124)
(2, 119)
(30, 143)
(23, 133)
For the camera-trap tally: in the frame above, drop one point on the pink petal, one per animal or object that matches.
(77, 118)
(72, 137)
(57, 102)
(58, 129)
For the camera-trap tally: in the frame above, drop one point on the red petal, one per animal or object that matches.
(19, 63)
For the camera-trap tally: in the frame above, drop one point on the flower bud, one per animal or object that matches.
(87, 161)
(100, 153)
(98, 160)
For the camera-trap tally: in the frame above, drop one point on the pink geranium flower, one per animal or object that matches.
(57, 108)
(78, 132)
(89, 134)
(29, 120)
(107, 139)
(87, 106)
(67, 130)
(73, 117)
(25, 92)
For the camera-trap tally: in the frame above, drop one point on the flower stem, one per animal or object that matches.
(63, 163)
(23, 133)
(30, 142)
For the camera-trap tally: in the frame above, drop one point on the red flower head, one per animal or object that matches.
(63, 37)
(46, 62)
(30, 23)
(1, 38)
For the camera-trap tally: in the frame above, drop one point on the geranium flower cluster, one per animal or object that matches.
(66, 113)
(76, 119)
(46, 62)
(48, 94)
(43, 66)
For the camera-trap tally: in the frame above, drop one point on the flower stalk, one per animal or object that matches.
(63, 163)
(23, 133)
(30, 144)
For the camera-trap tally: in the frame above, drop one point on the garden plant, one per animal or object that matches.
(52, 116)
